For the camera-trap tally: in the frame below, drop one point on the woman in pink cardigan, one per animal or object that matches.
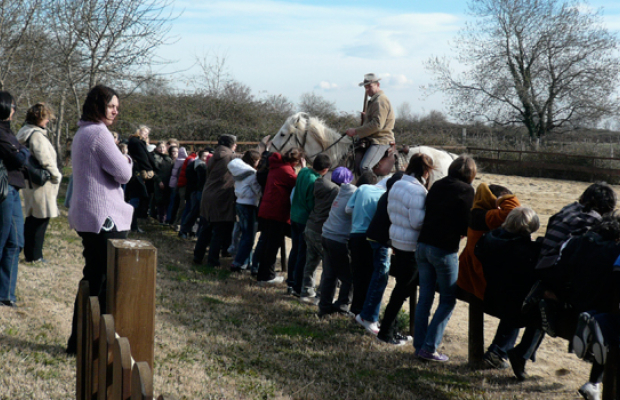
(98, 210)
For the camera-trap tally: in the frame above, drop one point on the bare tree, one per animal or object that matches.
(316, 105)
(546, 64)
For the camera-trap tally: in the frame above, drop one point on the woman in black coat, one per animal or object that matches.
(144, 170)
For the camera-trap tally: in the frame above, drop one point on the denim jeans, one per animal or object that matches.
(190, 219)
(405, 272)
(505, 339)
(314, 250)
(247, 217)
(297, 256)
(11, 242)
(172, 206)
(362, 269)
(436, 267)
(378, 281)
(336, 266)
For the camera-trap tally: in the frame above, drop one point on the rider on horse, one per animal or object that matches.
(377, 123)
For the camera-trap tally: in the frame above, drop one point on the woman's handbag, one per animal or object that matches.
(4, 182)
(35, 172)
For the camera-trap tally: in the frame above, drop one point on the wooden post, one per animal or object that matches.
(106, 356)
(82, 305)
(92, 348)
(475, 331)
(121, 380)
(141, 382)
(132, 268)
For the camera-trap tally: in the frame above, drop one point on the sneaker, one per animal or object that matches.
(7, 303)
(309, 300)
(517, 363)
(436, 356)
(371, 327)
(406, 338)
(591, 391)
(495, 361)
(582, 338)
(182, 235)
(393, 340)
(274, 281)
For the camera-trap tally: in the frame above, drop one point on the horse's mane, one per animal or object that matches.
(324, 135)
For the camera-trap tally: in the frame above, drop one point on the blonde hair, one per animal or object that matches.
(142, 129)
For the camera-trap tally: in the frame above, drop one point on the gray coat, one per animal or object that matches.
(218, 196)
(325, 191)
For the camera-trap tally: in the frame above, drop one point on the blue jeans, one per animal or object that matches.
(190, 219)
(11, 242)
(436, 267)
(297, 256)
(505, 339)
(378, 282)
(247, 217)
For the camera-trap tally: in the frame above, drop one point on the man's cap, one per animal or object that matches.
(369, 78)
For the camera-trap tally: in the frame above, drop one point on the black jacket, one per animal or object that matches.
(508, 262)
(13, 154)
(379, 228)
(448, 205)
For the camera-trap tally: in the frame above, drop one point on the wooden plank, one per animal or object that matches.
(554, 166)
(141, 382)
(83, 295)
(131, 294)
(121, 373)
(106, 356)
(92, 350)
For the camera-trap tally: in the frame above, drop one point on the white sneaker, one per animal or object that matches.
(591, 391)
(371, 327)
(274, 281)
(309, 300)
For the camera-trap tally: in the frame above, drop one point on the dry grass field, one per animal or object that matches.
(221, 336)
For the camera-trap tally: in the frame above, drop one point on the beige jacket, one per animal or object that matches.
(379, 120)
(40, 201)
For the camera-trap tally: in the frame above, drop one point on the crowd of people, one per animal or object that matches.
(361, 230)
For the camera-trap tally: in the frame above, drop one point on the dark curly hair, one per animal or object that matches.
(609, 227)
(599, 197)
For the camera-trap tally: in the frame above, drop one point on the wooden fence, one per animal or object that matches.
(115, 351)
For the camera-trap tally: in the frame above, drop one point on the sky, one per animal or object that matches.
(324, 46)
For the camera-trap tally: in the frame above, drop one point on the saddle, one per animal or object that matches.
(384, 167)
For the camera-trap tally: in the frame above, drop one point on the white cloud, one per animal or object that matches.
(396, 81)
(327, 85)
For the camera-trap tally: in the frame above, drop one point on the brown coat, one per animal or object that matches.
(218, 196)
(40, 201)
(379, 120)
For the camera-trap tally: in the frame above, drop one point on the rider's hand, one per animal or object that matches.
(351, 132)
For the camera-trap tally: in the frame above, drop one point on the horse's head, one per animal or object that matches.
(295, 125)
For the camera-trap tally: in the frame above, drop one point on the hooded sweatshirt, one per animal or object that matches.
(247, 189)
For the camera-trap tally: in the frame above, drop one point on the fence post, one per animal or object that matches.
(132, 268)
(141, 382)
(82, 304)
(106, 356)
(91, 373)
(121, 380)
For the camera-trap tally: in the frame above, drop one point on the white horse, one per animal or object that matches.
(311, 134)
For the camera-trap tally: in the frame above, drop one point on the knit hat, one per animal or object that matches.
(342, 175)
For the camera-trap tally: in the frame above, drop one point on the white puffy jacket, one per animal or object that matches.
(406, 209)
(247, 189)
